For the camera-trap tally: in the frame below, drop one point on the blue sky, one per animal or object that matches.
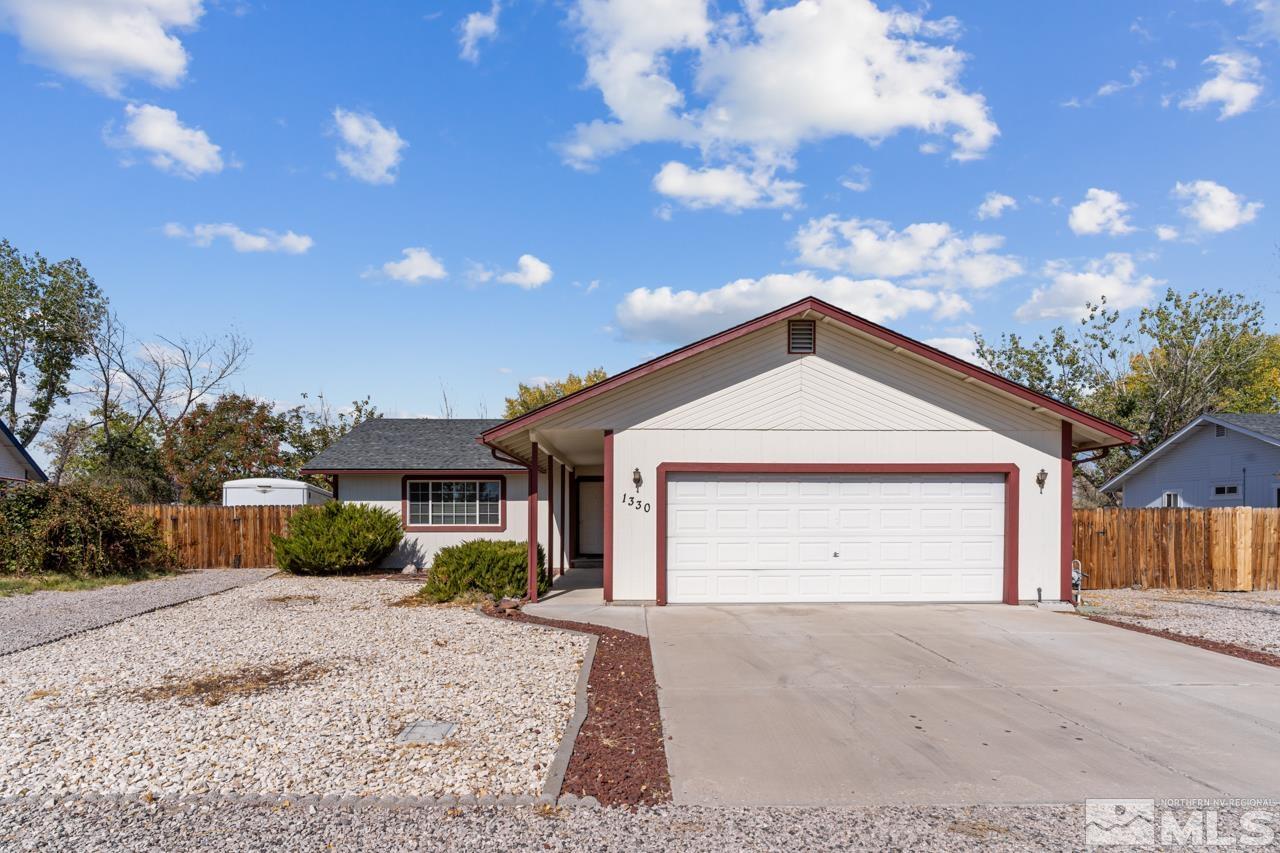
(387, 198)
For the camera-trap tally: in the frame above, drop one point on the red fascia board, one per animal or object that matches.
(875, 330)
(395, 471)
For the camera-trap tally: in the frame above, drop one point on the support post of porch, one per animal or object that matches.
(533, 522)
(551, 517)
(564, 518)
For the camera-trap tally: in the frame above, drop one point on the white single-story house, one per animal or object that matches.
(16, 464)
(808, 455)
(1224, 459)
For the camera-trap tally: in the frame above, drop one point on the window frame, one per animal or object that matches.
(1164, 500)
(1225, 496)
(467, 476)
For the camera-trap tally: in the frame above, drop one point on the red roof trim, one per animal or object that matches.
(826, 309)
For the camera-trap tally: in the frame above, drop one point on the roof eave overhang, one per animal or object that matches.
(373, 471)
(810, 307)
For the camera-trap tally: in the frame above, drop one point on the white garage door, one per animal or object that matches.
(761, 538)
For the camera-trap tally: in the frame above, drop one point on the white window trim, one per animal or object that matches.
(1164, 500)
(409, 523)
(1213, 491)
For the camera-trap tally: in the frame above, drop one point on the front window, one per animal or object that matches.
(455, 502)
(1226, 491)
(1172, 499)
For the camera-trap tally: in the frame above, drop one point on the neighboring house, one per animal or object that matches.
(16, 463)
(807, 455)
(1216, 460)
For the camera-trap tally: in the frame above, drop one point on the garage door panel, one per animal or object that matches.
(747, 538)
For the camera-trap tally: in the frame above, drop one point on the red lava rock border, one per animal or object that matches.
(1200, 642)
(619, 757)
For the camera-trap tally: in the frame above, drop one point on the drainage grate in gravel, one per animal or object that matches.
(426, 731)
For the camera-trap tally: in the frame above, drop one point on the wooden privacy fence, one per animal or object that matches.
(215, 537)
(1236, 548)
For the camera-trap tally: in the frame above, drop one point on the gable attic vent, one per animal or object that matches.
(802, 336)
(1219, 430)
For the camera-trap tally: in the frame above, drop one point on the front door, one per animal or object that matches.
(590, 504)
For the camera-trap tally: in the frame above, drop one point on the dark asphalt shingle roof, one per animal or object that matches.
(411, 444)
(1268, 425)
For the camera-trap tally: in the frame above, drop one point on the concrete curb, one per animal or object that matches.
(166, 606)
(311, 802)
(560, 764)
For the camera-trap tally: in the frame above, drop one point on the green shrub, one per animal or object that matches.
(337, 537)
(79, 529)
(497, 567)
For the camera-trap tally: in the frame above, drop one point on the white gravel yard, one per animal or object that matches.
(1248, 619)
(289, 685)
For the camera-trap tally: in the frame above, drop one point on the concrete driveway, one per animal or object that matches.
(951, 704)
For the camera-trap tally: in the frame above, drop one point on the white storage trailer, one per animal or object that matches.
(267, 491)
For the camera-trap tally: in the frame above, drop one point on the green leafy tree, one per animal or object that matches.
(310, 428)
(114, 456)
(530, 397)
(232, 438)
(49, 313)
(1186, 355)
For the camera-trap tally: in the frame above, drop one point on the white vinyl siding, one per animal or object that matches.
(744, 538)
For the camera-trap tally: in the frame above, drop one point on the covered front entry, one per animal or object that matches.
(834, 537)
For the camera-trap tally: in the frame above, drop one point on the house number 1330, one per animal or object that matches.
(630, 500)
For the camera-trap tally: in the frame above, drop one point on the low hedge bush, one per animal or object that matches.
(78, 529)
(490, 566)
(337, 537)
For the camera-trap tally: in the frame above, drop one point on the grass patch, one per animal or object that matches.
(471, 599)
(216, 688)
(27, 584)
(294, 599)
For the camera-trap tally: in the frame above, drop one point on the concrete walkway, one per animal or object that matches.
(578, 596)
(901, 704)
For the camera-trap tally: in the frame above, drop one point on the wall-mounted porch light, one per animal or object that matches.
(637, 479)
(1041, 479)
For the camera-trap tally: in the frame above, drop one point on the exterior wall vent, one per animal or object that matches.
(802, 337)
(1219, 430)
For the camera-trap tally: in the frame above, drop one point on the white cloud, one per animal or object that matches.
(1166, 233)
(857, 179)
(103, 43)
(1266, 19)
(751, 88)
(1136, 76)
(926, 253)
(966, 348)
(729, 187)
(172, 147)
(995, 204)
(475, 28)
(1213, 207)
(530, 273)
(1068, 288)
(418, 263)
(1102, 211)
(263, 240)
(369, 151)
(663, 314)
(1235, 85)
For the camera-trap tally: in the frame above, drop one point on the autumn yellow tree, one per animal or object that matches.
(530, 397)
